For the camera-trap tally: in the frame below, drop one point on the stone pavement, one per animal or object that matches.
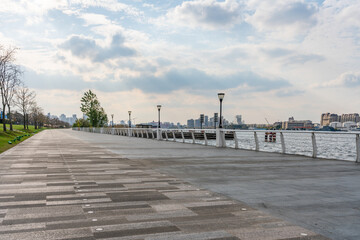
(317, 194)
(54, 186)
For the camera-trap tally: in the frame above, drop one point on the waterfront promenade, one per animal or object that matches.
(64, 184)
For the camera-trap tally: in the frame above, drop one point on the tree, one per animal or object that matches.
(24, 99)
(90, 105)
(10, 86)
(81, 123)
(36, 113)
(9, 80)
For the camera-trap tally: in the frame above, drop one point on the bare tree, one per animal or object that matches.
(36, 113)
(10, 86)
(24, 100)
(8, 72)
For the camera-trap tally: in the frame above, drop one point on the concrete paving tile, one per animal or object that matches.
(4, 229)
(63, 188)
(270, 234)
(62, 234)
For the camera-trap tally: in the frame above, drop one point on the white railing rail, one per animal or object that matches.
(237, 138)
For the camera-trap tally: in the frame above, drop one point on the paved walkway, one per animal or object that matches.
(55, 186)
(317, 194)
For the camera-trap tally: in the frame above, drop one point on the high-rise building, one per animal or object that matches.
(351, 117)
(206, 122)
(197, 123)
(63, 117)
(327, 118)
(238, 119)
(191, 123)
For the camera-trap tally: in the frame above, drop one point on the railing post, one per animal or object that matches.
(152, 133)
(147, 133)
(193, 136)
(220, 138)
(313, 140)
(205, 138)
(236, 140)
(358, 148)
(166, 136)
(174, 138)
(283, 149)
(256, 141)
(159, 134)
(182, 136)
(129, 132)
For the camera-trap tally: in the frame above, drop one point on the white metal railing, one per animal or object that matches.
(332, 145)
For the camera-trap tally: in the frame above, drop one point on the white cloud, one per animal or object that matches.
(284, 18)
(111, 5)
(208, 14)
(347, 79)
(94, 19)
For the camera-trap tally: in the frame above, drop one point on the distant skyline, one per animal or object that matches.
(273, 59)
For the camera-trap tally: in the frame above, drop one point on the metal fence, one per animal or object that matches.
(331, 145)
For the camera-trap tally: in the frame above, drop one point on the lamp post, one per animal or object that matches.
(129, 119)
(112, 120)
(221, 97)
(129, 130)
(220, 134)
(159, 126)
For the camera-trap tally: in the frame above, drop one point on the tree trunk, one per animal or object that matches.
(3, 118)
(10, 118)
(24, 120)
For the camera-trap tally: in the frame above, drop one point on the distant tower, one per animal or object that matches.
(238, 119)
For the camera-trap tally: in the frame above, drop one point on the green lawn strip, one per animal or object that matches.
(10, 139)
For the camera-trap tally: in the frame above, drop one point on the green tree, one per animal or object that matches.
(81, 123)
(90, 106)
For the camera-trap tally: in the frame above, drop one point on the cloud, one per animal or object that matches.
(208, 14)
(196, 80)
(347, 80)
(190, 80)
(88, 48)
(289, 92)
(94, 19)
(110, 5)
(289, 56)
(290, 18)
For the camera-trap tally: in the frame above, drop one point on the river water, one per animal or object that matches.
(332, 146)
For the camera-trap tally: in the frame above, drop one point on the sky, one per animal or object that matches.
(273, 59)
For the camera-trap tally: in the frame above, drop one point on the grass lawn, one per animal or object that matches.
(7, 136)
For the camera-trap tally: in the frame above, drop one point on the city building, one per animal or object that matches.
(327, 118)
(297, 124)
(351, 117)
(238, 119)
(191, 123)
(197, 123)
(206, 121)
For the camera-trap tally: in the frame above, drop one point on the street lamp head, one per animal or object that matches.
(129, 112)
(221, 96)
(159, 107)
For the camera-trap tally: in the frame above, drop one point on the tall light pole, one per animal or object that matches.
(129, 119)
(112, 120)
(159, 126)
(159, 107)
(221, 97)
